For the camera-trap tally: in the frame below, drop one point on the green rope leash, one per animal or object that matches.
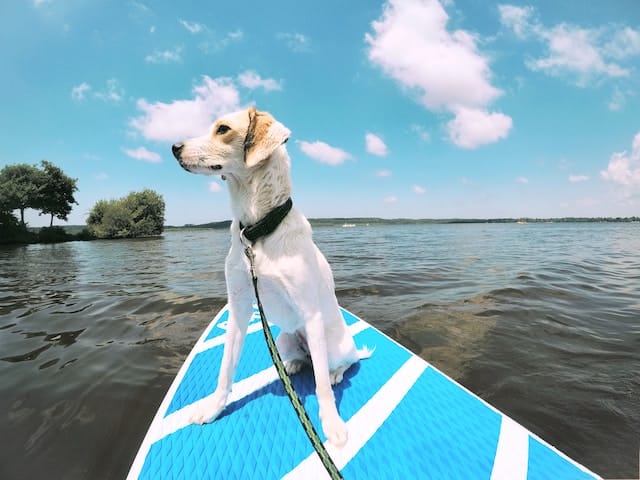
(309, 429)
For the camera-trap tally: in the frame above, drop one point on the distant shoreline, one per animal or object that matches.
(373, 221)
(67, 233)
(365, 221)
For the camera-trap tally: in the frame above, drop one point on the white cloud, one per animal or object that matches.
(324, 152)
(295, 41)
(472, 127)
(578, 178)
(165, 56)
(391, 199)
(580, 55)
(419, 190)
(444, 69)
(574, 51)
(412, 45)
(215, 187)
(141, 153)
(211, 42)
(235, 35)
(375, 145)
(192, 27)
(39, 3)
(79, 91)
(383, 173)
(422, 132)
(523, 180)
(140, 9)
(215, 44)
(624, 168)
(251, 80)
(618, 100)
(516, 18)
(624, 43)
(181, 119)
(113, 93)
(101, 177)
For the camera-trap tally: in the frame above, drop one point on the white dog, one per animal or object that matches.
(295, 281)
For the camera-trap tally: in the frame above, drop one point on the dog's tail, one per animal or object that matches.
(365, 352)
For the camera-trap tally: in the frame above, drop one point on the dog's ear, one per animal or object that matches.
(264, 135)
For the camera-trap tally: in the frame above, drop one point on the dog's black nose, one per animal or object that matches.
(176, 149)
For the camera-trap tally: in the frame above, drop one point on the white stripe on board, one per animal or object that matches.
(512, 455)
(357, 327)
(219, 339)
(366, 421)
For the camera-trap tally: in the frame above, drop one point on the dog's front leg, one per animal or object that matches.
(239, 315)
(333, 426)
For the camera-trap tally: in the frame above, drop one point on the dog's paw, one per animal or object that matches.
(336, 431)
(209, 408)
(293, 366)
(337, 375)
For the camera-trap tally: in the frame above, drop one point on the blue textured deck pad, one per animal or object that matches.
(438, 431)
(201, 378)
(544, 463)
(211, 451)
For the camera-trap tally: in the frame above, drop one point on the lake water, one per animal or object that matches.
(541, 320)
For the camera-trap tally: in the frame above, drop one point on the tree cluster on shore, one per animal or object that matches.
(139, 214)
(48, 190)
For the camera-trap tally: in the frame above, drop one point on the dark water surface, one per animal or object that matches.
(541, 320)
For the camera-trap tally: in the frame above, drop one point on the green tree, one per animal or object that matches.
(97, 212)
(56, 192)
(20, 188)
(147, 213)
(139, 214)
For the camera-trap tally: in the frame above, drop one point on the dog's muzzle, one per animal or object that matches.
(177, 148)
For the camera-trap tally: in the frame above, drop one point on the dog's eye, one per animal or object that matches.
(222, 129)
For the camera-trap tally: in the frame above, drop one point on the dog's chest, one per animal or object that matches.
(279, 309)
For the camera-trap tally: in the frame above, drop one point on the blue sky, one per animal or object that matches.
(424, 109)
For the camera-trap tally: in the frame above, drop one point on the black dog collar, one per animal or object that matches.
(266, 225)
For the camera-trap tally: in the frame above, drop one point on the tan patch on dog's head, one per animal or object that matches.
(228, 130)
(264, 135)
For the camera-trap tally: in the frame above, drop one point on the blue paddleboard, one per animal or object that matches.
(406, 420)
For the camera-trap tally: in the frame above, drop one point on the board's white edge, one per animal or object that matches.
(157, 424)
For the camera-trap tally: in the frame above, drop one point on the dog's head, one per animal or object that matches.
(235, 143)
